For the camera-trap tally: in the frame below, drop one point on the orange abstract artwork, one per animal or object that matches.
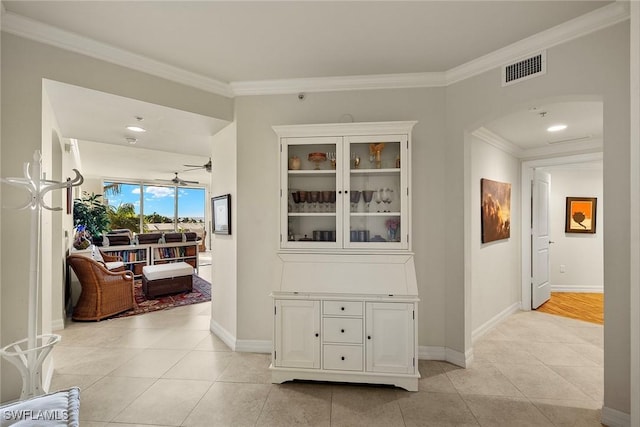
(496, 210)
(581, 215)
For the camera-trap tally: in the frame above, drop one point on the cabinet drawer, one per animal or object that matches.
(342, 308)
(342, 357)
(340, 329)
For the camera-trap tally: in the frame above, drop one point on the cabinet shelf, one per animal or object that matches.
(312, 214)
(313, 172)
(384, 214)
(374, 172)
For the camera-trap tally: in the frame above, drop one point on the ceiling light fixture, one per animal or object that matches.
(136, 128)
(131, 141)
(556, 128)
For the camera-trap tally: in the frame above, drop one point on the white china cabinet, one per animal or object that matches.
(345, 191)
(345, 295)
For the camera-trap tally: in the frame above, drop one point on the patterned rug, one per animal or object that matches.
(201, 292)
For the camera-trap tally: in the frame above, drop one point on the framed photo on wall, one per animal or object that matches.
(495, 216)
(581, 215)
(221, 211)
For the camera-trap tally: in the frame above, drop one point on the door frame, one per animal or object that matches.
(526, 177)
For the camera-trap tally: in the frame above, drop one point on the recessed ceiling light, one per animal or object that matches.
(556, 128)
(136, 128)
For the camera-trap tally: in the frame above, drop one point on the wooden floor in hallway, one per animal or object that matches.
(582, 306)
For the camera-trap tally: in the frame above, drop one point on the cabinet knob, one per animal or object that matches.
(339, 191)
(342, 330)
(317, 334)
(342, 308)
(342, 358)
(368, 337)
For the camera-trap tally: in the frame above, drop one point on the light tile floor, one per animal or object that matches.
(167, 369)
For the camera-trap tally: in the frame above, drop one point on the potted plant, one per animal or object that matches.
(90, 212)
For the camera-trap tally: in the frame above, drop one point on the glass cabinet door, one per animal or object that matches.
(311, 199)
(376, 204)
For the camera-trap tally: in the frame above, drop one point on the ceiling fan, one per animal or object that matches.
(178, 181)
(206, 166)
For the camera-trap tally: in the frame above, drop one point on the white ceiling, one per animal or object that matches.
(234, 41)
(241, 41)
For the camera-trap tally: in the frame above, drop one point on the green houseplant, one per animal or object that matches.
(90, 212)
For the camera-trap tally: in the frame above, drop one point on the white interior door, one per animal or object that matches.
(540, 261)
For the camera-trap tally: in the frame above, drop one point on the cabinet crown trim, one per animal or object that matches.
(344, 129)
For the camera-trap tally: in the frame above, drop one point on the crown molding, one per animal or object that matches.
(592, 146)
(497, 141)
(593, 21)
(35, 30)
(598, 19)
(331, 84)
(564, 149)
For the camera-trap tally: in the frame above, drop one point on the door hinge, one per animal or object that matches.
(407, 191)
(281, 192)
(275, 356)
(414, 315)
(281, 148)
(414, 361)
(281, 238)
(275, 309)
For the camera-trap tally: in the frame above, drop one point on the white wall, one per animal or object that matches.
(593, 65)
(495, 266)
(258, 192)
(224, 306)
(580, 254)
(24, 65)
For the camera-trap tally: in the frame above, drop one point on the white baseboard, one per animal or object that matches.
(227, 337)
(248, 346)
(254, 346)
(57, 324)
(581, 289)
(446, 354)
(494, 321)
(431, 353)
(463, 360)
(615, 418)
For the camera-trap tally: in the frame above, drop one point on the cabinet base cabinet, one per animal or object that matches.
(361, 339)
(281, 375)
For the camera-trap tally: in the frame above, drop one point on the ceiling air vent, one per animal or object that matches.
(524, 69)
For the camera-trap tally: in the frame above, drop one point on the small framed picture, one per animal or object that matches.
(581, 215)
(221, 211)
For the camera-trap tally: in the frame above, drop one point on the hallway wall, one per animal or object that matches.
(580, 255)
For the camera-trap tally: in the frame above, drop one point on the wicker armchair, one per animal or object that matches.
(104, 293)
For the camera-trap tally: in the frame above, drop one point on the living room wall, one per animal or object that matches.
(24, 65)
(224, 304)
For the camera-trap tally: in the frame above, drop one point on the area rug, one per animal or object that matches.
(201, 292)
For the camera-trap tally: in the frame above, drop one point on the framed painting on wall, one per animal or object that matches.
(581, 215)
(221, 209)
(496, 210)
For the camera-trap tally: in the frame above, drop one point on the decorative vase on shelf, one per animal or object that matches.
(391, 234)
(294, 163)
